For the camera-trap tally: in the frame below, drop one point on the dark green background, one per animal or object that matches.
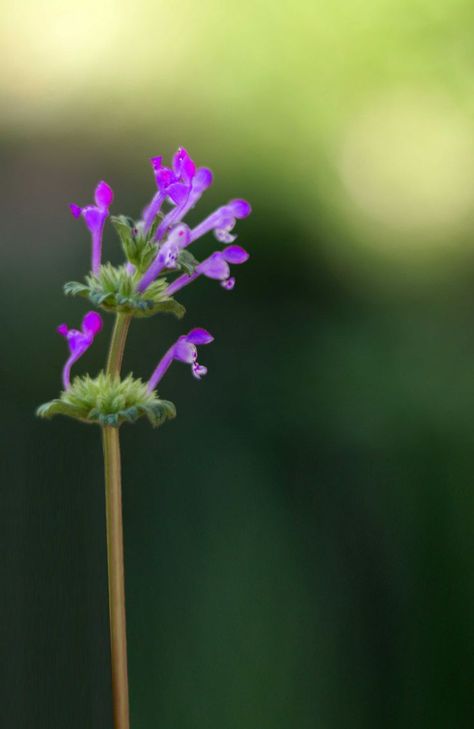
(299, 542)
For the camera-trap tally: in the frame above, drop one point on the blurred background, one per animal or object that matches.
(299, 542)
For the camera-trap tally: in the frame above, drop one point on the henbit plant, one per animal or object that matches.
(155, 247)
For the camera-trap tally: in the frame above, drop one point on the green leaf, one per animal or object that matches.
(187, 262)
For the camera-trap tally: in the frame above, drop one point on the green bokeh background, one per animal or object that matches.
(299, 542)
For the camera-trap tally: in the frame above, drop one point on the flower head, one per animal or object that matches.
(79, 340)
(181, 185)
(183, 350)
(95, 217)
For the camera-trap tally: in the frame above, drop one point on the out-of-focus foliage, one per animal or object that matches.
(299, 541)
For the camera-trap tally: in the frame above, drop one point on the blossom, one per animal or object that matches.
(95, 217)
(79, 340)
(222, 221)
(189, 193)
(216, 266)
(167, 255)
(183, 350)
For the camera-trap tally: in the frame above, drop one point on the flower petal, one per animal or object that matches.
(215, 267)
(104, 195)
(199, 336)
(76, 210)
(178, 192)
(235, 254)
(240, 208)
(185, 351)
(94, 218)
(198, 370)
(92, 323)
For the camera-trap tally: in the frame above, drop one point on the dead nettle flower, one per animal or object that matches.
(95, 217)
(167, 256)
(79, 340)
(216, 267)
(184, 350)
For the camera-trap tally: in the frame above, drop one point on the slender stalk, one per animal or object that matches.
(115, 560)
(117, 343)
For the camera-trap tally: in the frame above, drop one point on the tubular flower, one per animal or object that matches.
(215, 267)
(79, 341)
(95, 217)
(167, 255)
(183, 350)
(222, 221)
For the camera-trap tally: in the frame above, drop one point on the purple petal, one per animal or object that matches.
(104, 195)
(78, 342)
(228, 284)
(223, 235)
(156, 163)
(198, 370)
(203, 179)
(180, 235)
(94, 218)
(240, 208)
(183, 165)
(62, 329)
(92, 323)
(178, 192)
(184, 351)
(235, 254)
(199, 336)
(76, 210)
(164, 177)
(215, 267)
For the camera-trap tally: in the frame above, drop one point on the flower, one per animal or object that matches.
(184, 350)
(222, 221)
(167, 255)
(216, 267)
(95, 217)
(79, 341)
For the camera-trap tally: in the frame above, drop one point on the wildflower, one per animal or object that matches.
(167, 256)
(95, 217)
(79, 341)
(215, 267)
(222, 221)
(184, 350)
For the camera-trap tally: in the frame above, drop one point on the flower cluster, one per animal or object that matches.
(156, 249)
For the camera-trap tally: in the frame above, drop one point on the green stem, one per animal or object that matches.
(115, 560)
(117, 343)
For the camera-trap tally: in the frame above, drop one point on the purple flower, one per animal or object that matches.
(167, 256)
(216, 267)
(189, 193)
(222, 221)
(95, 217)
(79, 341)
(173, 184)
(184, 350)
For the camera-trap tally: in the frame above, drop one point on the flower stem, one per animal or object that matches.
(117, 344)
(115, 560)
